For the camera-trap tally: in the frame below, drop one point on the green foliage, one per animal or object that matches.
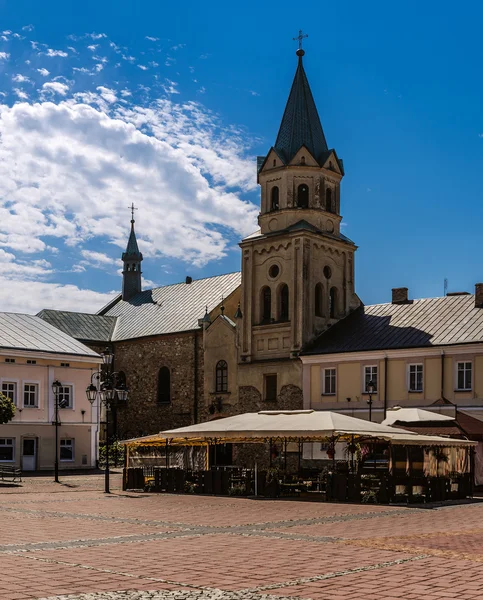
(7, 409)
(116, 454)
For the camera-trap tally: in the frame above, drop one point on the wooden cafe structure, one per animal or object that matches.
(382, 463)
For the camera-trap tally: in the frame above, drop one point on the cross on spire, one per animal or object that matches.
(132, 209)
(300, 37)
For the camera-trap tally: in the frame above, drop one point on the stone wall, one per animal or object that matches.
(141, 360)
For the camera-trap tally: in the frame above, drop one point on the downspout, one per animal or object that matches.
(195, 375)
(385, 386)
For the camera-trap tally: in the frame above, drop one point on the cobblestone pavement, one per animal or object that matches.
(71, 541)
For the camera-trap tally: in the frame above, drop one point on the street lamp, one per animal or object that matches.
(371, 388)
(56, 388)
(107, 391)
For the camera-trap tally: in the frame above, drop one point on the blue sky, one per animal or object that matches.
(167, 105)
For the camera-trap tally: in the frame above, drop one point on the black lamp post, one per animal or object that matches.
(371, 388)
(56, 387)
(107, 391)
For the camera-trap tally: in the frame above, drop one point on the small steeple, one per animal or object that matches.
(132, 258)
(301, 124)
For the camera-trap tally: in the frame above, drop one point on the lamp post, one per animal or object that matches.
(371, 388)
(56, 387)
(106, 392)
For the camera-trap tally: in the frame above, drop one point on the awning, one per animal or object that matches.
(295, 425)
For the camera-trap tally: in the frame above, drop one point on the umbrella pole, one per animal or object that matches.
(270, 452)
(285, 455)
(299, 457)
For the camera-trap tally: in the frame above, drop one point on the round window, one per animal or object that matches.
(273, 271)
(327, 272)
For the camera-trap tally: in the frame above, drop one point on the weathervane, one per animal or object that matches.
(300, 37)
(132, 209)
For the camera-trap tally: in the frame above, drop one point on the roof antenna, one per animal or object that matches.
(445, 286)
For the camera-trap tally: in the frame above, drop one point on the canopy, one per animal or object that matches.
(412, 415)
(294, 425)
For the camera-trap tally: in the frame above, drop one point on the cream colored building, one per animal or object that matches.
(34, 354)
(424, 353)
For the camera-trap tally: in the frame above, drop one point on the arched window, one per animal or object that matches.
(274, 162)
(221, 376)
(283, 303)
(328, 200)
(266, 302)
(319, 300)
(333, 298)
(302, 160)
(274, 204)
(303, 196)
(164, 386)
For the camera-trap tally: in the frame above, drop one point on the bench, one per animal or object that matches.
(12, 473)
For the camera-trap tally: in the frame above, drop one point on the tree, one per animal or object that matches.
(7, 409)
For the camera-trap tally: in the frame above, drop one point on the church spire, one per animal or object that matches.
(300, 122)
(132, 258)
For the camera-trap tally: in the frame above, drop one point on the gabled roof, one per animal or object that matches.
(300, 122)
(31, 333)
(171, 308)
(82, 326)
(168, 309)
(421, 323)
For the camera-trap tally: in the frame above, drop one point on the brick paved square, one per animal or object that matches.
(71, 541)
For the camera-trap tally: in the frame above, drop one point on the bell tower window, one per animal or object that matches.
(333, 297)
(274, 203)
(328, 200)
(284, 302)
(303, 196)
(266, 305)
(319, 295)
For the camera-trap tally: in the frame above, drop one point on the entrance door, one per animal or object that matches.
(29, 454)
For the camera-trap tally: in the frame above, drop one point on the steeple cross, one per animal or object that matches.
(300, 37)
(132, 209)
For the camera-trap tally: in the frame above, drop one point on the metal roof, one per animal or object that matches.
(420, 323)
(300, 122)
(171, 308)
(28, 332)
(82, 326)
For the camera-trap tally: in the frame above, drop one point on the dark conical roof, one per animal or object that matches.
(300, 123)
(132, 248)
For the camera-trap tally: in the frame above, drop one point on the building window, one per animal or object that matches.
(274, 202)
(415, 378)
(464, 376)
(65, 396)
(328, 200)
(31, 361)
(284, 302)
(65, 364)
(319, 300)
(30, 395)
(266, 305)
(303, 196)
(164, 386)
(9, 360)
(329, 382)
(270, 388)
(333, 303)
(67, 450)
(7, 449)
(9, 389)
(221, 376)
(370, 374)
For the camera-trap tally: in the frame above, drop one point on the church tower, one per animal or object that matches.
(131, 274)
(298, 269)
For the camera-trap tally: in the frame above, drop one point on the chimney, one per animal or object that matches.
(400, 295)
(189, 279)
(479, 295)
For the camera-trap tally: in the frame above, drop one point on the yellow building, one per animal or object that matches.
(414, 353)
(33, 355)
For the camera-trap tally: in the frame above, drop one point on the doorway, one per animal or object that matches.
(29, 454)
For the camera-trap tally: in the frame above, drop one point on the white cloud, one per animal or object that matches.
(143, 67)
(93, 47)
(96, 36)
(108, 94)
(152, 39)
(170, 87)
(60, 53)
(4, 55)
(19, 78)
(20, 94)
(56, 87)
(28, 28)
(44, 72)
